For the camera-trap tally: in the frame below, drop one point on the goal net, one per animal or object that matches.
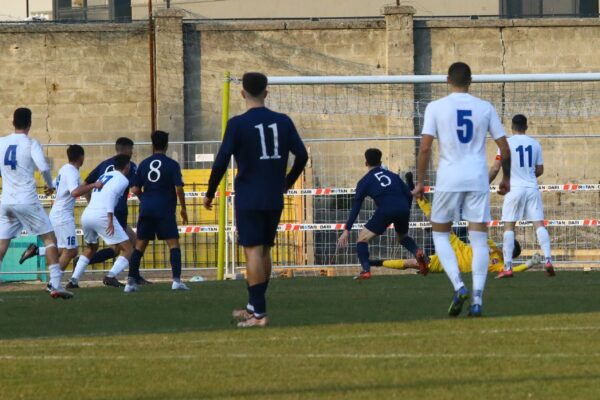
(340, 117)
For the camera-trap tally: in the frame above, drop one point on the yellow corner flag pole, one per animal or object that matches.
(223, 185)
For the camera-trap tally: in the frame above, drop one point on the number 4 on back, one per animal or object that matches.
(10, 157)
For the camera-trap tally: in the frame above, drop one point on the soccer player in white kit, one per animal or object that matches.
(98, 220)
(20, 206)
(68, 189)
(461, 122)
(524, 200)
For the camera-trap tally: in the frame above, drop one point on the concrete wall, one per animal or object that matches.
(315, 8)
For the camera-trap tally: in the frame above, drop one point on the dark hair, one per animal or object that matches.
(373, 157)
(75, 152)
(22, 118)
(517, 249)
(123, 142)
(459, 74)
(519, 122)
(160, 140)
(121, 161)
(254, 83)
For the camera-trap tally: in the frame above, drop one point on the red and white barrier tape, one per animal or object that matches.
(337, 191)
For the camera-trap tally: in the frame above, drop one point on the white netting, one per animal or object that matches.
(340, 121)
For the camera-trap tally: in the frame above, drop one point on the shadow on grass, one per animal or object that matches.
(295, 302)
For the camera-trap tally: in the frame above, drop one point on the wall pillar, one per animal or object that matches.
(169, 72)
(400, 61)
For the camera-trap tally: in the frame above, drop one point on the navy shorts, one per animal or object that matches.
(122, 218)
(380, 221)
(163, 228)
(257, 227)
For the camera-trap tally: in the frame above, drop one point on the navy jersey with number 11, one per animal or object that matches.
(157, 176)
(260, 140)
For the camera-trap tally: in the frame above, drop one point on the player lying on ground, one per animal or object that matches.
(123, 146)
(62, 217)
(260, 140)
(464, 255)
(158, 184)
(98, 220)
(461, 123)
(524, 201)
(393, 200)
(20, 206)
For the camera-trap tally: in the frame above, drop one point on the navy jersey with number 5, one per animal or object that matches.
(260, 140)
(387, 189)
(157, 176)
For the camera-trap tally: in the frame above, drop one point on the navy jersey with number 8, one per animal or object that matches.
(157, 176)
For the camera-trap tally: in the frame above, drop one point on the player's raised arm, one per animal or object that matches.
(298, 149)
(220, 165)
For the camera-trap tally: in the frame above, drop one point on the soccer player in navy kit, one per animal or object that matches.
(123, 146)
(158, 184)
(393, 200)
(260, 140)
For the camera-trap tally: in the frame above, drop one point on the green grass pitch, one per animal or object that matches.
(329, 339)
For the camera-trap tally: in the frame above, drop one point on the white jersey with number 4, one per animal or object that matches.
(66, 181)
(19, 156)
(461, 122)
(525, 155)
(105, 199)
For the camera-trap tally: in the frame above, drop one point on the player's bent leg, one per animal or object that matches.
(133, 277)
(544, 242)
(82, 262)
(66, 256)
(120, 264)
(31, 251)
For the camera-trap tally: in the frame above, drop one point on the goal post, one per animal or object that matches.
(340, 116)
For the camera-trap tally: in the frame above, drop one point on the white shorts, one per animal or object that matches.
(523, 204)
(14, 218)
(66, 233)
(456, 206)
(94, 225)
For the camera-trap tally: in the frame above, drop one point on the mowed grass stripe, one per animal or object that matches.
(387, 338)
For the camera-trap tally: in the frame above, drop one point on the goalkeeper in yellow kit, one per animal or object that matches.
(464, 254)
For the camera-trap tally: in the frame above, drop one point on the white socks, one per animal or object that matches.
(82, 263)
(544, 241)
(55, 276)
(119, 266)
(445, 253)
(481, 259)
(41, 251)
(508, 246)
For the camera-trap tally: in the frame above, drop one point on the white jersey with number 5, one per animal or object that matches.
(461, 122)
(66, 181)
(525, 155)
(105, 199)
(19, 156)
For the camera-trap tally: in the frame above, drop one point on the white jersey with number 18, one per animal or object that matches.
(19, 156)
(461, 122)
(66, 181)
